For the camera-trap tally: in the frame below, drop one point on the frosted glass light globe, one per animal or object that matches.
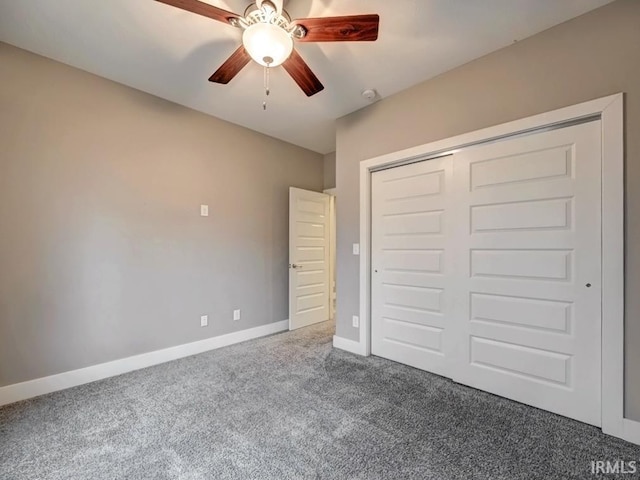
(265, 41)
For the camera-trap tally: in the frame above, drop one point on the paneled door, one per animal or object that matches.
(486, 268)
(309, 283)
(412, 266)
(529, 239)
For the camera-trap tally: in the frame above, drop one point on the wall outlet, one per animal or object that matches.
(204, 320)
(355, 321)
(204, 210)
(356, 249)
(236, 315)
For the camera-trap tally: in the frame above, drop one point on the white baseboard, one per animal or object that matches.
(348, 345)
(40, 386)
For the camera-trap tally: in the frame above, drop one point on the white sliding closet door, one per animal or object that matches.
(529, 239)
(486, 268)
(412, 264)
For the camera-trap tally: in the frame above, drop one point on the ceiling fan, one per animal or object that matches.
(269, 35)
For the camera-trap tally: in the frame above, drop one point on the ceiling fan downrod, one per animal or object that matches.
(275, 4)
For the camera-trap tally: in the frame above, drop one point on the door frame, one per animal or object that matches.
(610, 110)
(333, 192)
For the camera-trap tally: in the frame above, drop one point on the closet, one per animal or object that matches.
(486, 268)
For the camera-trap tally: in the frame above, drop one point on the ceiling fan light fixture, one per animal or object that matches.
(267, 44)
(269, 35)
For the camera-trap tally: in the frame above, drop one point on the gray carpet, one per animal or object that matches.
(291, 407)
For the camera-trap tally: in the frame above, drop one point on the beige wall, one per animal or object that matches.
(103, 253)
(591, 56)
(330, 170)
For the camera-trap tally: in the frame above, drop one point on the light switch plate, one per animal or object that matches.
(236, 315)
(204, 320)
(355, 321)
(204, 210)
(356, 249)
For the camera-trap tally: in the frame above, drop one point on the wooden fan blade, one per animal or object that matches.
(302, 74)
(202, 8)
(231, 67)
(355, 28)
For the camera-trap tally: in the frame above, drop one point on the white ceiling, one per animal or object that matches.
(170, 53)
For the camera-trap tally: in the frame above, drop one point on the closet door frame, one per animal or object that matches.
(610, 110)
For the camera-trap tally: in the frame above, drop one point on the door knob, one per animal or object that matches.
(294, 266)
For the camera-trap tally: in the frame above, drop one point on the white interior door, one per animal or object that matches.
(486, 268)
(530, 245)
(309, 259)
(412, 267)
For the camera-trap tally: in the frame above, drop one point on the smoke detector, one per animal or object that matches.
(370, 94)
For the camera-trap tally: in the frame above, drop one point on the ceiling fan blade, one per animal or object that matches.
(203, 9)
(354, 28)
(229, 69)
(302, 74)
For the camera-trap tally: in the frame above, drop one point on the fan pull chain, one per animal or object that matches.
(266, 85)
